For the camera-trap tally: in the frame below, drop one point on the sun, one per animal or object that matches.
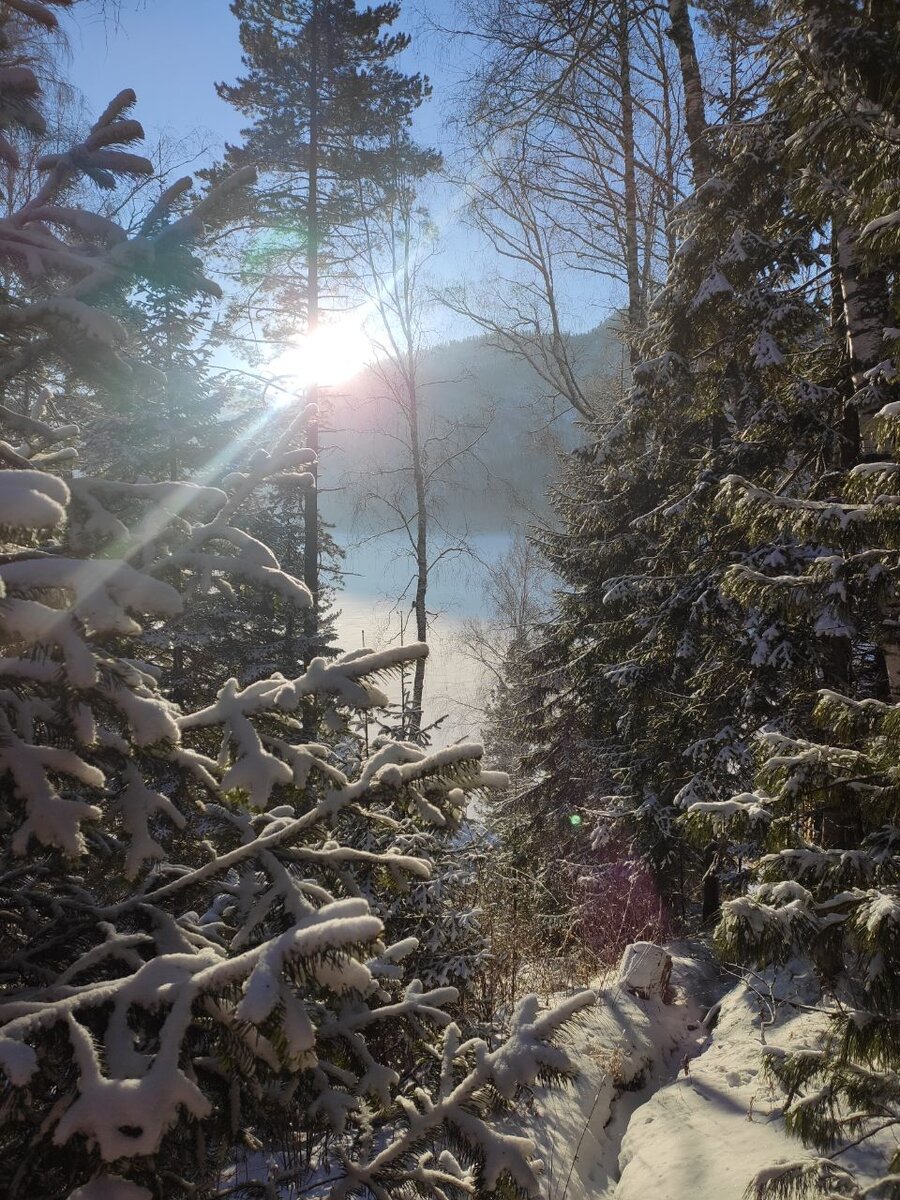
(333, 354)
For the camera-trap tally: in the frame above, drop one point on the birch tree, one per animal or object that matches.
(398, 241)
(576, 129)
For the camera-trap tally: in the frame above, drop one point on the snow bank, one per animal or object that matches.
(706, 1133)
(671, 1102)
(625, 1046)
(712, 1127)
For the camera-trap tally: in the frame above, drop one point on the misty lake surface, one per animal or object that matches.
(375, 603)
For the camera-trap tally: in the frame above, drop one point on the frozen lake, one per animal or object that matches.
(373, 607)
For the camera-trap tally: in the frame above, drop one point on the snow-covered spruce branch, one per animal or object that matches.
(129, 1000)
(150, 1100)
(187, 527)
(467, 1069)
(47, 240)
(288, 831)
(205, 949)
(767, 511)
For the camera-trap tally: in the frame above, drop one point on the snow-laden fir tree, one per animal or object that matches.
(824, 810)
(649, 683)
(730, 561)
(196, 973)
(191, 420)
(192, 968)
(606, 704)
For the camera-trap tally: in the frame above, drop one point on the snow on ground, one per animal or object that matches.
(670, 1102)
(624, 1048)
(714, 1125)
(665, 1108)
(706, 1134)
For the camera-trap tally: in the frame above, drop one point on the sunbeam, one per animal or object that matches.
(332, 354)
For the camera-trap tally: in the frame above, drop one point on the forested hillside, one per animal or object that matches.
(483, 396)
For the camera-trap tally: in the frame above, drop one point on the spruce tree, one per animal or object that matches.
(823, 812)
(631, 703)
(730, 562)
(648, 686)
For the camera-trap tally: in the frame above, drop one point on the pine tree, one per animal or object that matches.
(329, 124)
(330, 120)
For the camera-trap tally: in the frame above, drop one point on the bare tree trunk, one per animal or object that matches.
(865, 300)
(421, 611)
(629, 180)
(576, 147)
(668, 155)
(311, 499)
(682, 35)
(395, 243)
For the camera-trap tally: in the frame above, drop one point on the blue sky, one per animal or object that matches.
(172, 52)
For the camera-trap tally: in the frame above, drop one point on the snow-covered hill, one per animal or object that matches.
(669, 1106)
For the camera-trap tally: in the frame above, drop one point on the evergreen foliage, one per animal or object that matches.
(825, 801)
(718, 683)
(329, 117)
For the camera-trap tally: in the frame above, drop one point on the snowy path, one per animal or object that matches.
(626, 1049)
(706, 1133)
(635, 1126)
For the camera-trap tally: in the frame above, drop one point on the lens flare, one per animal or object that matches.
(333, 354)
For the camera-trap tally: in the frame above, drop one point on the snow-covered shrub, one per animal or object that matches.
(190, 964)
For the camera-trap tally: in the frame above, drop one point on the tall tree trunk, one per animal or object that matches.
(866, 305)
(682, 35)
(669, 153)
(629, 180)
(421, 611)
(865, 298)
(311, 501)
(178, 663)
